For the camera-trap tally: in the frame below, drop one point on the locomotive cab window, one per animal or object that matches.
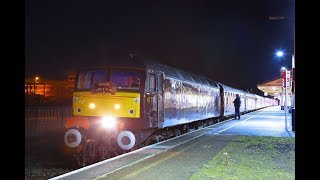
(86, 79)
(125, 78)
(122, 78)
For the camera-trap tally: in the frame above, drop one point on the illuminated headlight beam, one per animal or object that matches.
(108, 122)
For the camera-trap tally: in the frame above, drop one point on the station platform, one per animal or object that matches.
(271, 121)
(182, 156)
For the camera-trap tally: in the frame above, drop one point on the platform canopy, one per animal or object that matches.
(272, 87)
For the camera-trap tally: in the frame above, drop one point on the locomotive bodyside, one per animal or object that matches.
(185, 102)
(187, 97)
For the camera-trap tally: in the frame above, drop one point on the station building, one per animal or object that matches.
(278, 88)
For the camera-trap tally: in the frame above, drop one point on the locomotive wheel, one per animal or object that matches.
(88, 154)
(177, 132)
(112, 144)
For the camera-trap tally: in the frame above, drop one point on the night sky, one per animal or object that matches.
(230, 41)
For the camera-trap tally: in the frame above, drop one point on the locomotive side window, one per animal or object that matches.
(151, 83)
(160, 82)
(227, 98)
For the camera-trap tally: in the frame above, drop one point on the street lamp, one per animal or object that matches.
(279, 53)
(36, 79)
(282, 18)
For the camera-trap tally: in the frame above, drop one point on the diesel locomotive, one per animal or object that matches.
(122, 108)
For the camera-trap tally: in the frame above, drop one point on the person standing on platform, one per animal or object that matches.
(237, 103)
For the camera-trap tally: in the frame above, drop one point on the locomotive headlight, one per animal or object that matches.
(108, 121)
(92, 105)
(117, 106)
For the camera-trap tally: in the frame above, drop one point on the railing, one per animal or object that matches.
(43, 121)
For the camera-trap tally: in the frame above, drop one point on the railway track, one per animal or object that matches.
(43, 160)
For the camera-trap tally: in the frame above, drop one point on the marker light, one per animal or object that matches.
(117, 106)
(92, 105)
(108, 121)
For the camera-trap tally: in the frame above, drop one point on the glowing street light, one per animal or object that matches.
(279, 53)
(36, 79)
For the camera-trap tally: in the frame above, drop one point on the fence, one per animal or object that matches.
(45, 120)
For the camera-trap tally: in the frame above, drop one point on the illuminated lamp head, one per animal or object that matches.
(117, 106)
(108, 122)
(92, 106)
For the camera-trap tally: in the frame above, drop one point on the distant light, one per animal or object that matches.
(279, 53)
(283, 68)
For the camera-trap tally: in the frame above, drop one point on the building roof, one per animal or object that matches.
(272, 87)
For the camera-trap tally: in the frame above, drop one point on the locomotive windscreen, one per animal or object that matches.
(86, 79)
(121, 77)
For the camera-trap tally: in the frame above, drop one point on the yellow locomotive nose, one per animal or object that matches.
(120, 104)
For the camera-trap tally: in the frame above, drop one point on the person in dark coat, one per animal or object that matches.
(237, 103)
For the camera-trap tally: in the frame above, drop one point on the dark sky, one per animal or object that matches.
(230, 41)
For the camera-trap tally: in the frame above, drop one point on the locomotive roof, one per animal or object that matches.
(180, 74)
(169, 71)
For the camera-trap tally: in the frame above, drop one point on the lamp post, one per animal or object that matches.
(275, 18)
(286, 84)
